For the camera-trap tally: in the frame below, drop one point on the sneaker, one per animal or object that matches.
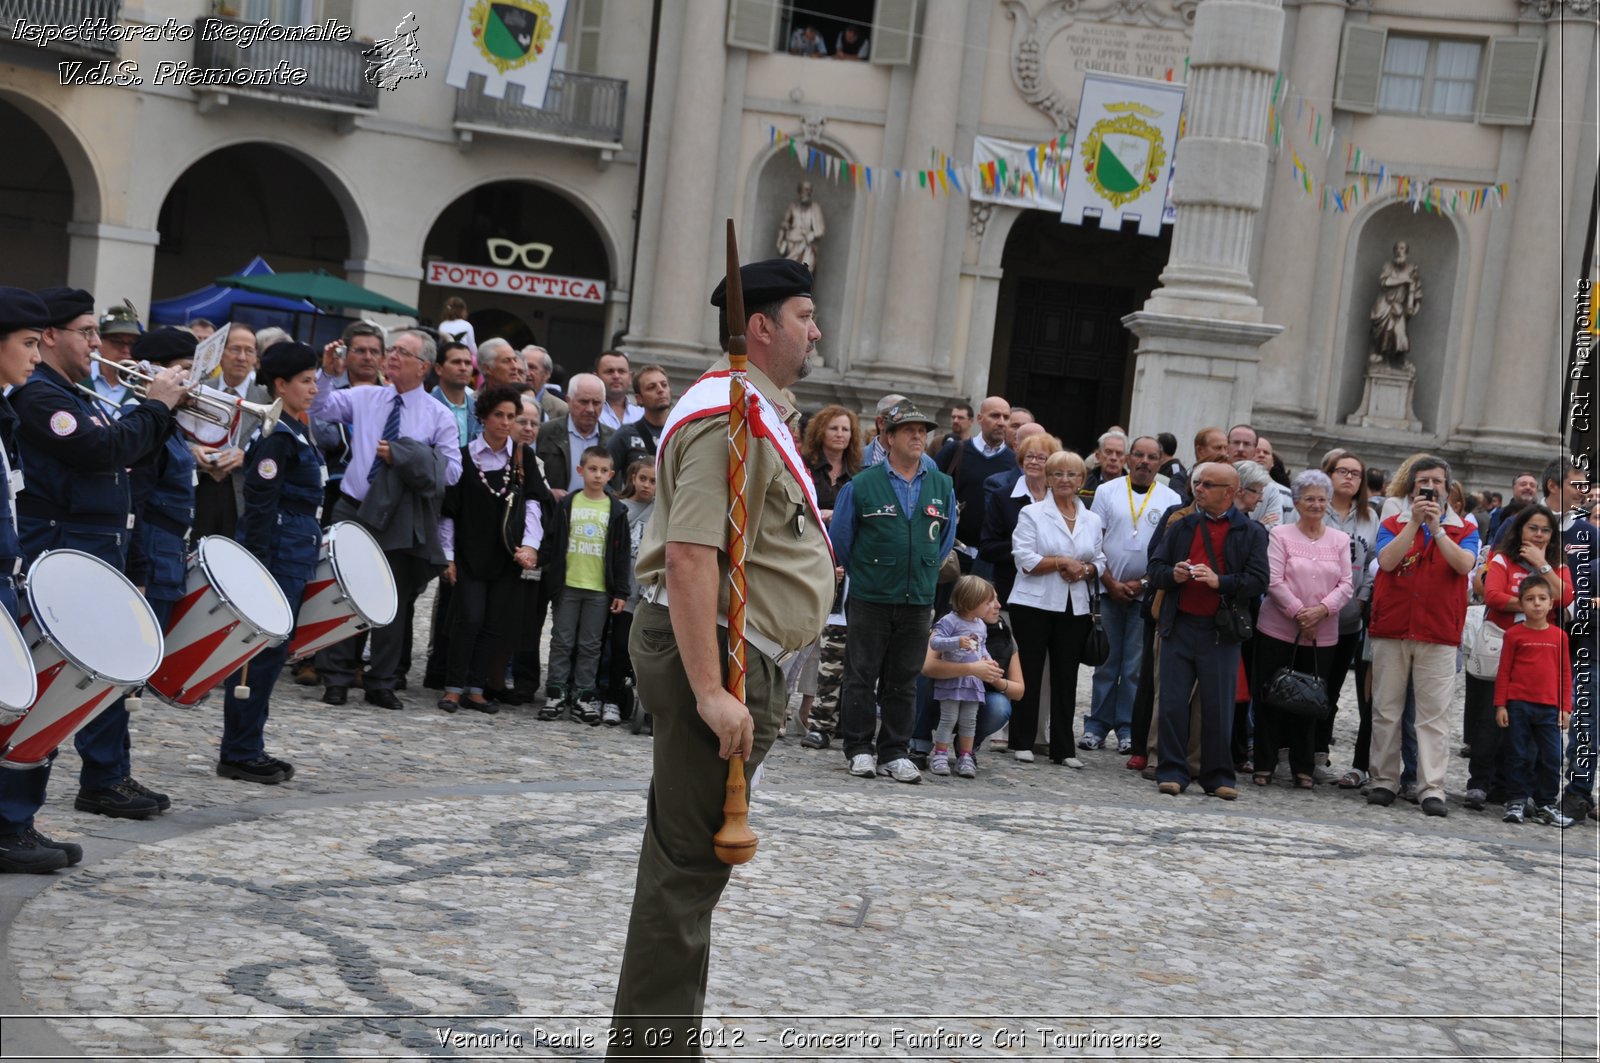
(1171, 789)
(1089, 741)
(967, 766)
(1551, 816)
(1136, 763)
(1124, 746)
(1381, 795)
(261, 770)
(1410, 792)
(1024, 756)
(939, 762)
(863, 765)
(1435, 806)
(1513, 812)
(1475, 800)
(119, 802)
(73, 850)
(584, 710)
(901, 770)
(611, 714)
(163, 802)
(1323, 772)
(1072, 762)
(20, 854)
(815, 740)
(555, 702)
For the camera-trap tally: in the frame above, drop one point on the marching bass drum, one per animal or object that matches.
(18, 683)
(353, 590)
(231, 610)
(91, 635)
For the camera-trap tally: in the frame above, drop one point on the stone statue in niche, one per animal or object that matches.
(1399, 299)
(801, 229)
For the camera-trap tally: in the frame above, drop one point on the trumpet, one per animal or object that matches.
(202, 402)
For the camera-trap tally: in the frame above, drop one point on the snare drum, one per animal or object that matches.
(92, 636)
(353, 590)
(231, 610)
(18, 685)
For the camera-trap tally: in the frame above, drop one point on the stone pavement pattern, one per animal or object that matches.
(434, 886)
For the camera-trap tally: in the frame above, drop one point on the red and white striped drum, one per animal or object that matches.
(91, 635)
(231, 610)
(18, 684)
(353, 590)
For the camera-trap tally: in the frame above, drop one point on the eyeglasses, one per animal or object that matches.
(397, 349)
(1026, 458)
(240, 348)
(88, 332)
(1356, 473)
(503, 252)
(1208, 484)
(1536, 529)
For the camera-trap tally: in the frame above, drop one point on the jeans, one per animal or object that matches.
(1117, 681)
(1533, 734)
(579, 624)
(882, 659)
(1192, 656)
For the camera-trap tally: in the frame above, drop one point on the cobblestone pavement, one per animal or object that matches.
(433, 886)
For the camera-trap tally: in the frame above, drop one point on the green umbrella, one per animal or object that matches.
(321, 288)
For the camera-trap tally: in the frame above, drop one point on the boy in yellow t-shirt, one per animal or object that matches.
(589, 547)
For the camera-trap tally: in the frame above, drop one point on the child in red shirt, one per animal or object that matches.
(1533, 702)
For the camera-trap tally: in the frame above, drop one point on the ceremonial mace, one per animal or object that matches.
(735, 843)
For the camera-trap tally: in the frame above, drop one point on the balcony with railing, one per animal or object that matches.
(335, 71)
(96, 16)
(585, 110)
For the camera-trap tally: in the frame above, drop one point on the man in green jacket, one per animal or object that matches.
(892, 526)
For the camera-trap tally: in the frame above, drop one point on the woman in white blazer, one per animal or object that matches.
(1057, 548)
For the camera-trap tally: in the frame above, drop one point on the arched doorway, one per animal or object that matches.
(1059, 345)
(530, 266)
(242, 201)
(37, 204)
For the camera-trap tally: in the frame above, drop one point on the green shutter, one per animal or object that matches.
(1360, 68)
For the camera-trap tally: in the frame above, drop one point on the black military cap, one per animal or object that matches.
(766, 282)
(283, 361)
(66, 303)
(20, 308)
(904, 413)
(165, 345)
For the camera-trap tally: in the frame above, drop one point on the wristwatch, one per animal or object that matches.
(1144, 583)
(1544, 569)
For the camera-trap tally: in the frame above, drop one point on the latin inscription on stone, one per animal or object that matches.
(1128, 50)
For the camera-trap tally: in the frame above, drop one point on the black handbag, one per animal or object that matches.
(1233, 615)
(1295, 693)
(1096, 643)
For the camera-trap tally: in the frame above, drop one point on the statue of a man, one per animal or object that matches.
(801, 229)
(1399, 299)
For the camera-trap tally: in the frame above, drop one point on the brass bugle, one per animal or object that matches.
(207, 403)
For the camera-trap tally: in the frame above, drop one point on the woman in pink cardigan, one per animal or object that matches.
(1311, 581)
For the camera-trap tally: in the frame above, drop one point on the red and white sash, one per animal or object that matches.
(711, 396)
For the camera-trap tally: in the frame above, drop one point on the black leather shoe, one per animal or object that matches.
(449, 704)
(283, 766)
(488, 708)
(118, 802)
(336, 695)
(73, 850)
(163, 802)
(384, 699)
(21, 855)
(262, 770)
(1381, 795)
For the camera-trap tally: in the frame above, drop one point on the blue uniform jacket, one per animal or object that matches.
(283, 490)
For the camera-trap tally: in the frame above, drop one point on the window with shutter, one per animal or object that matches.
(894, 29)
(754, 24)
(587, 44)
(1360, 68)
(1512, 82)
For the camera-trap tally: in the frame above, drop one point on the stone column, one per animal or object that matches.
(1289, 260)
(917, 248)
(1199, 333)
(113, 262)
(1536, 299)
(690, 222)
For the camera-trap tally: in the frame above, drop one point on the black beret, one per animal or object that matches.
(66, 303)
(20, 308)
(283, 361)
(165, 345)
(766, 282)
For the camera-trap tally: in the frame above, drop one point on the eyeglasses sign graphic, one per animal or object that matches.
(503, 252)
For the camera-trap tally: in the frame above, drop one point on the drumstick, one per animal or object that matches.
(735, 843)
(243, 689)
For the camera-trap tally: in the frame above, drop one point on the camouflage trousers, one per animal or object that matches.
(818, 670)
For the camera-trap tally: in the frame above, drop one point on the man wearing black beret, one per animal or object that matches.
(674, 644)
(77, 496)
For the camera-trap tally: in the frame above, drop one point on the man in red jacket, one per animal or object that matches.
(1419, 606)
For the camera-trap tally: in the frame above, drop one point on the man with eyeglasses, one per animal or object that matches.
(119, 327)
(404, 445)
(77, 495)
(1205, 558)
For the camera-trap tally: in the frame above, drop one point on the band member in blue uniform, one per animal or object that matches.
(23, 316)
(76, 496)
(163, 489)
(283, 491)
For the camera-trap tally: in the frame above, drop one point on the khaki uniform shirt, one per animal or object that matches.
(788, 567)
